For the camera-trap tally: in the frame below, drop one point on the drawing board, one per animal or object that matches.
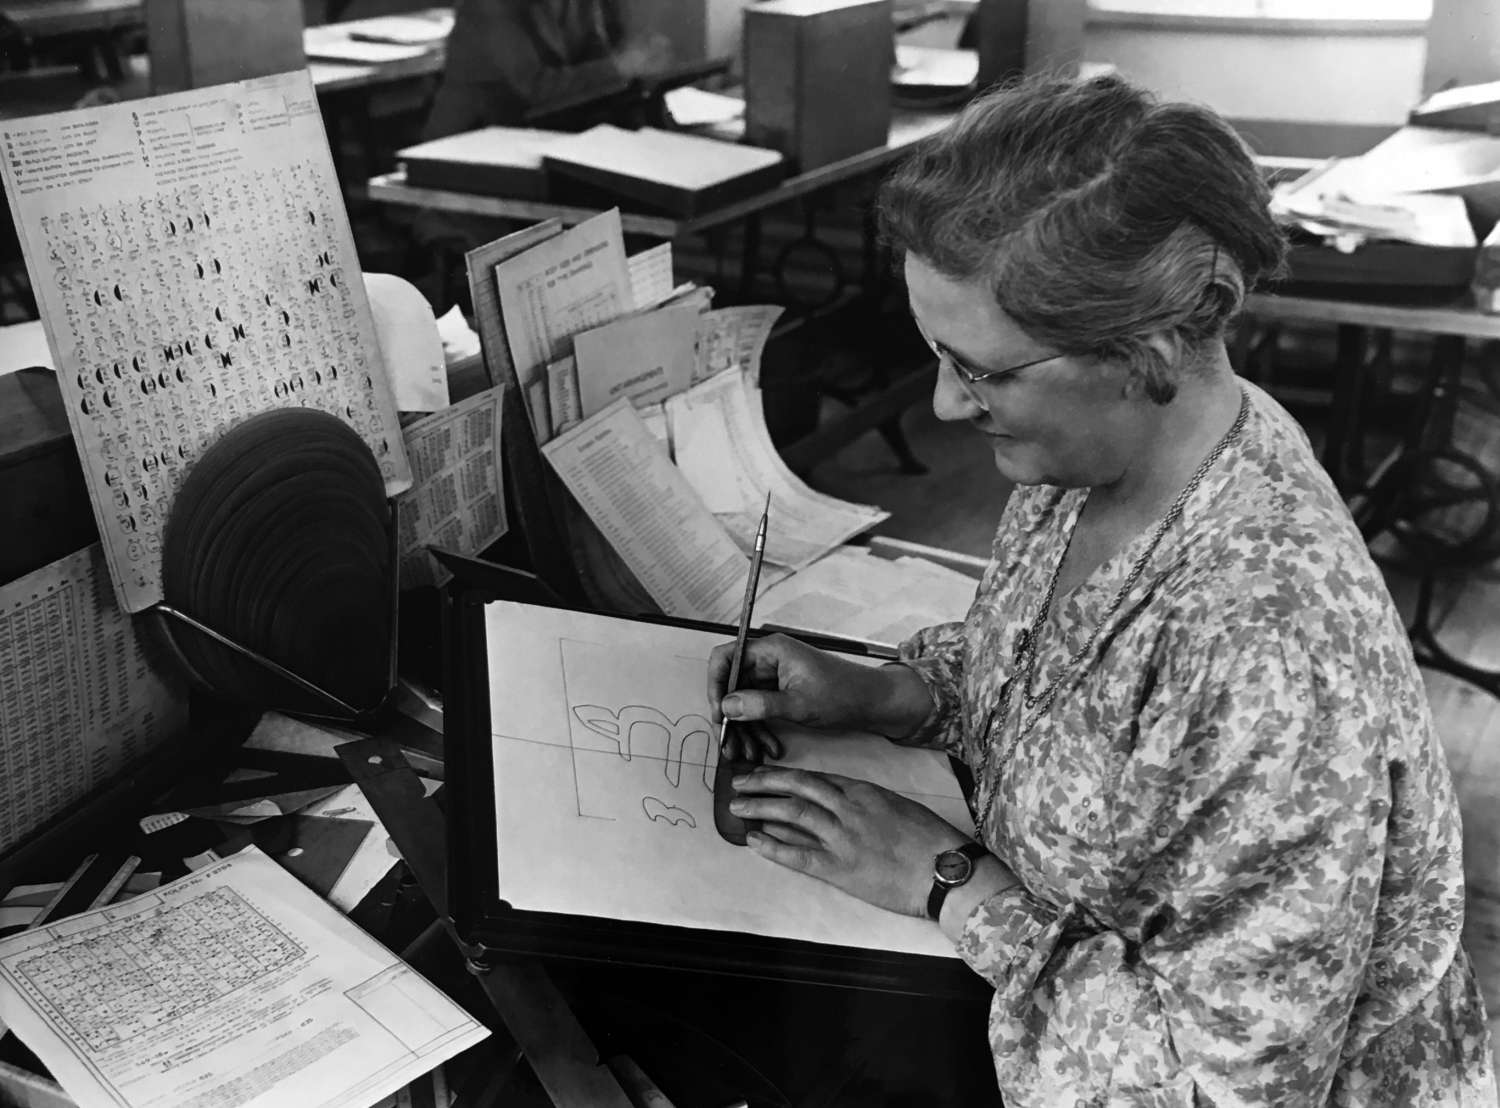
(603, 759)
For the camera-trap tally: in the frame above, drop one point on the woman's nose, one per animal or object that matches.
(952, 402)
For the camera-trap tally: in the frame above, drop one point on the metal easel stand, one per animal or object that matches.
(1427, 494)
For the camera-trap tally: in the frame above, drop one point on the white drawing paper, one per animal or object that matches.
(604, 759)
(235, 985)
(193, 264)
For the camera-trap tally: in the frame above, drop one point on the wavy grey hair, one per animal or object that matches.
(1096, 214)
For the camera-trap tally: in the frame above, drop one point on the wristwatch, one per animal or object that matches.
(950, 869)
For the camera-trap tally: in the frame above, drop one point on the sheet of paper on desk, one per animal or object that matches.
(430, 27)
(199, 269)
(734, 336)
(695, 107)
(570, 283)
(339, 47)
(650, 515)
(855, 595)
(604, 773)
(232, 986)
(644, 358)
(457, 500)
(80, 689)
(721, 444)
(410, 343)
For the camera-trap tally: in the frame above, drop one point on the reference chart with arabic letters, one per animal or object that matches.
(193, 264)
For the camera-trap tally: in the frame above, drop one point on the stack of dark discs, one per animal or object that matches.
(279, 540)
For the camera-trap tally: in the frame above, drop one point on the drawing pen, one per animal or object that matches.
(751, 584)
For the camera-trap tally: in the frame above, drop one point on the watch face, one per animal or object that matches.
(953, 868)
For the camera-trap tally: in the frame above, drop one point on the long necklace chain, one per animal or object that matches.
(1026, 643)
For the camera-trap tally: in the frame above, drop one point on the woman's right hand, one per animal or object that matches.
(782, 678)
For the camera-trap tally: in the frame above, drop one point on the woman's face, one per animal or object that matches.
(1065, 421)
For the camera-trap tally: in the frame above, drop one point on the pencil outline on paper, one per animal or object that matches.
(627, 736)
(659, 811)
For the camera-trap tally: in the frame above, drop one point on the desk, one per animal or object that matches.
(59, 88)
(38, 19)
(907, 128)
(91, 29)
(1427, 491)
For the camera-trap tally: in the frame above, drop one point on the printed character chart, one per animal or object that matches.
(193, 265)
(604, 760)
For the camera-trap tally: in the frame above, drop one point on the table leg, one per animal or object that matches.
(750, 255)
(1423, 488)
(1343, 415)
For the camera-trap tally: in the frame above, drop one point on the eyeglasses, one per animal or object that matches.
(967, 376)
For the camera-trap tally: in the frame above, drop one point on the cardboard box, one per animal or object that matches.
(195, 43)
(818, 78)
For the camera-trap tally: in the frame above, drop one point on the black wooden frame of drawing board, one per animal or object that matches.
(490, 928)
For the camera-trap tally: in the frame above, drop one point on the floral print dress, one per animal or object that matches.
(1235, 830)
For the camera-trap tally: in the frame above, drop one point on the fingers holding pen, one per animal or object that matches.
(750, 742)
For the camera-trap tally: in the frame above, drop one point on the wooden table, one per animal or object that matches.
(60, 88)
(1415, 478)
(907, 128)
(39, 19)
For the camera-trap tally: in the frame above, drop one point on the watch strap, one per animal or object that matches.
(973, 852)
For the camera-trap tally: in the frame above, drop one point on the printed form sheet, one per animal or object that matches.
(720, 442)
(604, 763)
(234, 986)
(570, 283)
(79, 699)
(458, 499)
(624, 480)
(193, 264)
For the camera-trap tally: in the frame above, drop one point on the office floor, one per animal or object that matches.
(957, 504)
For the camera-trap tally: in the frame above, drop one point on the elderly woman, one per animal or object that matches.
(1218, 856)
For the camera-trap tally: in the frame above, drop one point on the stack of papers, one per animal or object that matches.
(1417, 186)
(645, 401)
(853, 594)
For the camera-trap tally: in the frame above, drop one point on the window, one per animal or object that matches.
(1373, 11)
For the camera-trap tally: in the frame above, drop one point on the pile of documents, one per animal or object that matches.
(646, 402)
(1417, 186)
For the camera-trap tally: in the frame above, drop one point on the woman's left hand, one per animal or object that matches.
(869, 841)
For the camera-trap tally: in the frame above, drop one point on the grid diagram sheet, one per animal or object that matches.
(234, 986)
(110, 984)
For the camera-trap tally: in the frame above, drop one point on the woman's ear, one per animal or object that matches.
(1154, 368)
